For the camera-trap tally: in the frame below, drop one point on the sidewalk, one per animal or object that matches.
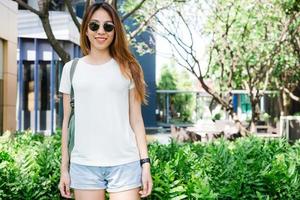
(163, 138)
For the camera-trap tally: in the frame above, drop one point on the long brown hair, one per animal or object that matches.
(118, 49)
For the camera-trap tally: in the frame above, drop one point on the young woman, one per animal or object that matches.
(109, 141)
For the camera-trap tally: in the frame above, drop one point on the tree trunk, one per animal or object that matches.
(286, 103)
(254, 115)
(54, 43)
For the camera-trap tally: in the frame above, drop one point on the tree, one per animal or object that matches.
(181, 103)
(185, 103)
(246, 38)
(168, 79)
(132, 9)
(286, 71)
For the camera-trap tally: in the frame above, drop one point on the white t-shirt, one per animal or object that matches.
(103, 135)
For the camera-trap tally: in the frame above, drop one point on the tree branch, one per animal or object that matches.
(53, 41)
(73, 15)
(200, 78)
(187, 26)
(144, 23)
(123, 18)
(113, 3)
(86, 5)
(176, 38)
(25, 5)
(294, 97)
(261, 73)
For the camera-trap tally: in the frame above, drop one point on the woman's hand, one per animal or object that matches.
(64, 185)
(146, 180)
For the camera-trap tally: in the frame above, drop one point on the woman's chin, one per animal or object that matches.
(101, 47)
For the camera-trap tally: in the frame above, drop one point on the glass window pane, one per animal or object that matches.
(44, 94)
(44, 72)
(28, 92)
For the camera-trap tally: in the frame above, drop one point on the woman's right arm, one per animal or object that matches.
(64, 139)
(65, 89)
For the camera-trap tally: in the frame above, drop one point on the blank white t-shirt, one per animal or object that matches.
(103, 135)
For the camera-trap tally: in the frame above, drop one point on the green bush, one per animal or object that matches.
(248, 168)
(29, 167)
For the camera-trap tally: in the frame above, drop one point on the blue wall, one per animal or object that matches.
(147, 62)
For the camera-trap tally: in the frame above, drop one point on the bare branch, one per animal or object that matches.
(176, 38)
(199, 77)
(179, 53)
(44, 6)
(25, 5)
(266, 81)
(133, 10)
(178, 62)
(182, 45)
(249, 76)
(73, 15)
(209, 62)
(294, 97)
(187, 26)
(113, 3)
(145, 23)
(44, 17)
(86, 5)
(192, 52)
(53, 41)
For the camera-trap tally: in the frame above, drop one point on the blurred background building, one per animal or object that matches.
(8, 65)
(39, 106)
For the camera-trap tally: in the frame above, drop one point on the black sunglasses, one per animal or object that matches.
(107, 26)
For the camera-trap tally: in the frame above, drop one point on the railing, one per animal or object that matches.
(183, 107)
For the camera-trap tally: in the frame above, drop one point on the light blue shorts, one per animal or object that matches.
(113, 178)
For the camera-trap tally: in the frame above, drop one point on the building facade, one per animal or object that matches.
(39, 70)
(8, 65)
(39, 105)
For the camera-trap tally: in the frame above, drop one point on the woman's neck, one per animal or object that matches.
(98, 57)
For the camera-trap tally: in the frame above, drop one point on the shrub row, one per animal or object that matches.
(248, 168)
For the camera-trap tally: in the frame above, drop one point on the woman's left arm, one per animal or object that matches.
(137, 124)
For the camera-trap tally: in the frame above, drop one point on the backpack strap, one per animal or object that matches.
(72, 70)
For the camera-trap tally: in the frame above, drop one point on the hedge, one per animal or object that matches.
(247, 168)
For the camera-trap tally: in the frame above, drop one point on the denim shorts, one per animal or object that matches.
(113, 178)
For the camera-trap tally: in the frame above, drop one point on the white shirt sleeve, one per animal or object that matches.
(131, 85)
(65, 83)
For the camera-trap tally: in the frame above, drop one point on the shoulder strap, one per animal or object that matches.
(72, 70)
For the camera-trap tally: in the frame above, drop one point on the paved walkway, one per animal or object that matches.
(163, 138)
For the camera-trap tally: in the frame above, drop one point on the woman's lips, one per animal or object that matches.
(101, 39)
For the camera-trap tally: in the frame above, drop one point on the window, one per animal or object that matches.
(28, 93)
(44, 73)
(43, 99)
(44, 86)
(245, 103)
